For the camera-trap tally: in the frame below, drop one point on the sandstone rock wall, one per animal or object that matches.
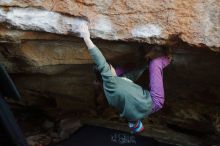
(52, 68)
(154, 21)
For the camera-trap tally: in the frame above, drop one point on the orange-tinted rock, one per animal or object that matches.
(195, 22)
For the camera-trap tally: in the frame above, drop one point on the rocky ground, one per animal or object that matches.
(184, 127)
(50, 131)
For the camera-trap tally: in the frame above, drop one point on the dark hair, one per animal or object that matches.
(158, 51)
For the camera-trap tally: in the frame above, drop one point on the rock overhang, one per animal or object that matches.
(147, 21)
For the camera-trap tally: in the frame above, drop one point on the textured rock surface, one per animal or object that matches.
(53, 69)
(195, 22)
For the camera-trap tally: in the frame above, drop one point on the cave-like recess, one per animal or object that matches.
(55, 79)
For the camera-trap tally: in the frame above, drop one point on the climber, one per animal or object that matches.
(133, 102)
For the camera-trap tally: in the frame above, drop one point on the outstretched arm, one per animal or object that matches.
(89, 43)
(86, 36)
(97, 56)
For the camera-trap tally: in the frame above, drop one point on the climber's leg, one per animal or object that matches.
(136, 127)
(156, 67)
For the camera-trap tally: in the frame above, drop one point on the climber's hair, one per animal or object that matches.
(158, 51)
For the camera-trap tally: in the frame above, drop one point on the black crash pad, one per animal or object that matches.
(98, 136)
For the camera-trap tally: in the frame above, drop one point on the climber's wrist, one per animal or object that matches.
(86, 38)
(89, 42)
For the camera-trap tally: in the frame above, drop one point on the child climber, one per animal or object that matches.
(133, 102)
